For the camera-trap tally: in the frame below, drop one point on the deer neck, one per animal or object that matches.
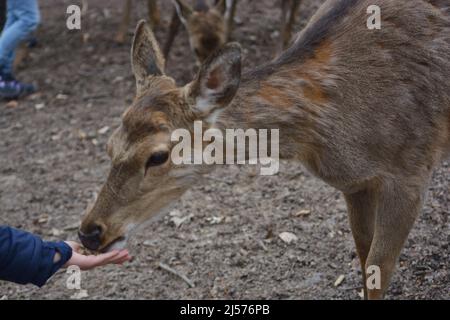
(292, 99)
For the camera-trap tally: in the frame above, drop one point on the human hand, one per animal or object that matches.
(89, 262)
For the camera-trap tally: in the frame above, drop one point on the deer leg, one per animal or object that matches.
(289, 11)
(123, 28)
(361, 210)
(153, 12)
(230, 12)
(398, 206)
(174, 28)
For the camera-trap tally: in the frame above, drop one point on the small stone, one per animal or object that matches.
(288, 237)
(81, 294)
(302, 213)
(39, 106)
(61, 96)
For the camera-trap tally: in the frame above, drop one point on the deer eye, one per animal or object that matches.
(157, 159)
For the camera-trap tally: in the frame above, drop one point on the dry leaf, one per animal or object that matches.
(80, 295)
(39, 106)
(56, 232)
(339, 280)
(361, 294)
(149, 243)
(103, 130)
(304, 212)
(288, 237)
(82, 135)
(61, 96)
(215, 220)
(42, 218)
(71, 227)
(179, 221)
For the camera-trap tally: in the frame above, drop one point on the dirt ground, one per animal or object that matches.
(53, 161)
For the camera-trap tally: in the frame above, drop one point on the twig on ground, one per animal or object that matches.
(175, 272)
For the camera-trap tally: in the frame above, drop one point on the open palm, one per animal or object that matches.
(87, 262)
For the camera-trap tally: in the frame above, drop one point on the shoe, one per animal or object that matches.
(10, 88)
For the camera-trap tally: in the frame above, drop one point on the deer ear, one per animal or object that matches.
(217, 81)
(147, 59)
(183, 9)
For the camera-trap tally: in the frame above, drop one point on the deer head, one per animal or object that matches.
(205, 25)
(143, 181)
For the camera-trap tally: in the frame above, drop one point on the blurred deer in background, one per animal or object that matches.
(367, 111)
(208, 27)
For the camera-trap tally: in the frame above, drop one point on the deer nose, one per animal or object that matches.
(91, 239)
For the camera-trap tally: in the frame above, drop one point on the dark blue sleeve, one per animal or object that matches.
(25, 258)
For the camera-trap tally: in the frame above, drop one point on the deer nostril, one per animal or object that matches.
(91, 239)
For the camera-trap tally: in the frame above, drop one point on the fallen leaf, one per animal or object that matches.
(361, 294)
(149, 243)
(118, 79)
(12, 104)
(103, 130)
(301, 213)
(288, 237)
(42, 218)
(61, 96)
(39, 106)
(74, 226)
(175, 213)
(86, 37)
(82, 135)
(178, 221)
(56, 232)
(215, 220)
(339, 280)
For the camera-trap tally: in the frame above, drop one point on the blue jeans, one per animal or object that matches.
(22, 18)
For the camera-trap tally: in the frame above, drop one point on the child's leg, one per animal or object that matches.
(22, 18)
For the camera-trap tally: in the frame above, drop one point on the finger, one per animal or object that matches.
(107, 256)
(92, 261)
(119, 257)
(123, 260)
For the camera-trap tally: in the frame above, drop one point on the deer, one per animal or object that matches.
(208, 27)
(367, 111)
